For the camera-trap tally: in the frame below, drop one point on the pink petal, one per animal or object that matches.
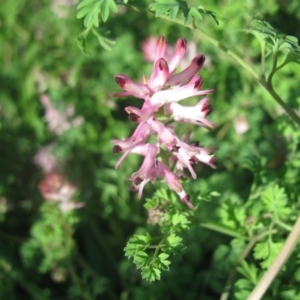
(159, 75)
(160, 47)
(133, 88)
(178, 55)
(189, 72)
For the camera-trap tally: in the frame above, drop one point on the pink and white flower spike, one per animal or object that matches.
(161, 94)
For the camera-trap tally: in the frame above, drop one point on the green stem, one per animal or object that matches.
(158, 247)
(221, 229)
(242, 256)
(283, 225)
(274, 269)
(263, 67)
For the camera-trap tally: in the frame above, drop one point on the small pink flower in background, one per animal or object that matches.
(58, 121)
(156, 216)
(241, 125)
(161, 94)
(45, 159)
(56, 187)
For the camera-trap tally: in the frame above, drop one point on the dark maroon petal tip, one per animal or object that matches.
(120, 81)
(117, 149)
(162, 64)
(138, 180)
(198, 83)
(201, 60)
(207, 108)
(175, 148)
(183, 43)
(193, 160)
(186, 198)
(134, 117)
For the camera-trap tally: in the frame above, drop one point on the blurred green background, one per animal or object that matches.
(56, 122)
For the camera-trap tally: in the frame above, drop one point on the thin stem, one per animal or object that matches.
(274, 269)
(158, 247)
(263, 67)
(274, 67)
(242, 256)
(287, 109)
(283, 225)
(221, 229)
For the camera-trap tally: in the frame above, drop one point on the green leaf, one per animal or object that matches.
(242, 289)
(173, 244)
(136, 244)
(82, 44)
(252, 163)
(90, 10)
(140, 258)
(180, 222)
(103, 39)
(172, 8)
(174, 240)
(278, 41)
(168, 7)
(150, 273)
(275, 200)
(211, 14)
(174, 12)
(267, 251)
(162, 261)
(249, 271)
(196, 14)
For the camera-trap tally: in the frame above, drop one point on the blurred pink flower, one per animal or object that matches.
(241, 125)
(161, 94)
(58, 121)
(45, 159)
(56, 187)
(155, 216)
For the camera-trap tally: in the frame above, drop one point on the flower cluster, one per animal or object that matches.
(57, 188)
(167, 156)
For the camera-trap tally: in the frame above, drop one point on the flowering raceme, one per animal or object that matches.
(167, 156)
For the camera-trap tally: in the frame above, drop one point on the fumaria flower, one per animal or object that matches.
(161, 95)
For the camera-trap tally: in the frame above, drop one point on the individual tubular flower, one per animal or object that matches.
(191, 114)
(168, 156)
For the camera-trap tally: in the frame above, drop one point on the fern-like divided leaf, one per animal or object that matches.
(90, 10)
(276, 201)
(172, 8)
(278, 41)
(267, 252)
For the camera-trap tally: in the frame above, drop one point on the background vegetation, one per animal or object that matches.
(56, 122)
